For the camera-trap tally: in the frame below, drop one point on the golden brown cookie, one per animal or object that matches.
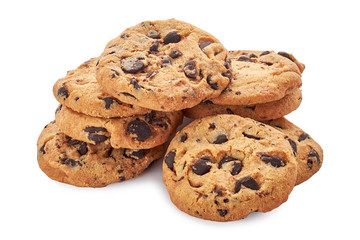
(86, 165)
(309, 154)
(80, 91)
(224, 167)
(259, 112)
(135, 132)
(260, 76)
(165, 65)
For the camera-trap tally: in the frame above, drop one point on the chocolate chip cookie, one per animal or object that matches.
(308, 153)
(78, 163)
(80, 91)
(224, 167)
(261, 76)
(135, 132)
(164, 65)
(259, 112)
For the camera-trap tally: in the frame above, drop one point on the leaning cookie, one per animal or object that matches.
(165, 65)
(86, 165)
(224, 167)
(308, 153)
(135, 132)
(260, 76)
(259, 112)
(80, 91)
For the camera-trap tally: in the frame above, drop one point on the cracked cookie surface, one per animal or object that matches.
(261, 76)
(259, 112)
(80, 91)
(309, 154)
(164, 65)
(135, 132)
(71, 161)
(224, 167)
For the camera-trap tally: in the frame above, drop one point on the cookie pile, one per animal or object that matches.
(118, 110)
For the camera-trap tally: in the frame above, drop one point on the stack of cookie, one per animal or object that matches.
(117, 111)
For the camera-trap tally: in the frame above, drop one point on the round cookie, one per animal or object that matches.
(80, 91)
(259, 112)
(224, 167)
(260, 76)
(135, 132)
(309, 154)
(86, 165)
(164, 65)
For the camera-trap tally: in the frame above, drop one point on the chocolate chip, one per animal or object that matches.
(285, 54)
(247, 182)
(228, 75)
(95, 129)
(175, 54)
(131, 65)
(134, 83)
(273, 160)
(42, 149)
(204, 44)
(310, 163)
(293, 146)
(212, 126)
(250, 107)
(253, 55)
(222, 212)
(201, 166)
(229, 111)
(125, 35)
(207, 102)
(63, 92)
(108, 102)
(212, 84)
(166, 61)
(70, 162)
(122, 178)
(189, 69)
(153, 34)
(303, 136)
(139, 128)
(226, 160)
(218, 191)
(238, 93)
(82, 146)
(221, 138)
(154, 47)
(251, 136)
(172, 37)
(128, 95)
(245, 59)
(237, 166)
(264, 53)
(313, 153)
(183, 137)
(58, 109)
(97, 138)
(169, 159)
(115, 73)
(134, 154)
(75, 99)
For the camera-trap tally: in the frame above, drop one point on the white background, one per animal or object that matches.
(41, 40)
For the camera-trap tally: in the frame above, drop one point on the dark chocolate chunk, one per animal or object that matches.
(108, 102)
(222, 212)
(183, 137)
(267, 63)
(115, 73)
(83, 148)
(303, 136)
(228, 75)
(172, 37)
(139, 128)
(58, 109)
(70, 162)
(237, 166)
(273, 160)
(212, 126)
(238, 93)
(201, 166)
(249, 182)
(221, 138)
(112, 52)
(153, 34)
(63, 92)
(251, 136)
(237, 186)
(128, 95)
(154, 47)
(293, 146)
(175, 53)
(134, 154)
(212, 84)
(264, 53)
(169, 159)
(189, 69)
(125, 35)
(97, 138)
(122, 178)
(285, 54)
(166, 61)
(134, 83)
(204, 44)
(310, 163)
(95, 129)
(253, 56)
(42, 149)
(131, 65)
(229, 111)
(245, 59)
(225, 160)
(313, 153)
